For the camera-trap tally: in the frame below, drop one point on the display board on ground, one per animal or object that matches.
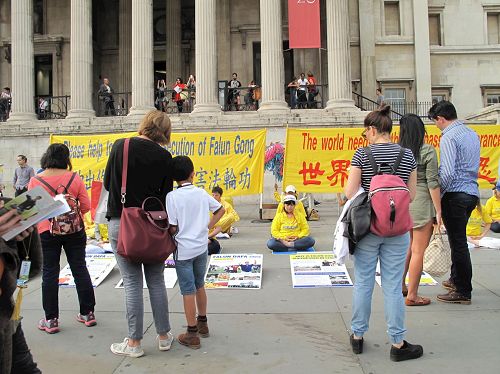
(99, 266)
(234, 271)
(425, 279)
(169, 275)
(318, 269)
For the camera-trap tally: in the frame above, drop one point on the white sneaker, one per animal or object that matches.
(234, 230)
(164, 345)
(123, 349)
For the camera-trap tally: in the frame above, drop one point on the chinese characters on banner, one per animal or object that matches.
(231, 160)
(318, 160)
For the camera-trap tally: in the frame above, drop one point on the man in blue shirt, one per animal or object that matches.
(458, 171)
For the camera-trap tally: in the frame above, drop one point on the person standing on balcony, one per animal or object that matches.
(180, 94)
(380, 98)
(302, 91)
(5, 101)
(234, 94)
(191, 86)
(22, 175)
(161, 97)
(106, 95)
(312, 89)
(293, 86)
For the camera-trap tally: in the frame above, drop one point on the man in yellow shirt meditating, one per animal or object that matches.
(289, 230)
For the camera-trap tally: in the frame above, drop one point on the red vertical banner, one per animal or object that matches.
(304, 24)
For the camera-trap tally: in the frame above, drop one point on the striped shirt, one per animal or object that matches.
(459, 159)
(385, 154)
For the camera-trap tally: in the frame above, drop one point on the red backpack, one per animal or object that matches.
(390, 200)
(70, 222)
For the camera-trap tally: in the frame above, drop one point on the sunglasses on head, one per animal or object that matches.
(289, 202)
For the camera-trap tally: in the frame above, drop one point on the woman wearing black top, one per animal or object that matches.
(149, 174)
(390, 251)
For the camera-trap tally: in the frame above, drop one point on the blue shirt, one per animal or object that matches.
(459, 166)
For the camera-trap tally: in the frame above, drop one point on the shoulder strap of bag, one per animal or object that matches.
(69, 183)
(46, 184)
(398, 160)
(376, 168)
(124, 169)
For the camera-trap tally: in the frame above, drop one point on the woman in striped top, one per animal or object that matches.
(390, 251)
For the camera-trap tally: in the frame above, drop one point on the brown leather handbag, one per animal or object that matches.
(143, 236)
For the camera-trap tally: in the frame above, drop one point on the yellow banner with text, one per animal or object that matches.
(231, 160)
(318, 160)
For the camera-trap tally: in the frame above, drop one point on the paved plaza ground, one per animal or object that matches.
(277, 329)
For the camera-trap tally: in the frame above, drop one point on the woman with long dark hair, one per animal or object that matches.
(57, 172)
(390, 251)
(425, 208)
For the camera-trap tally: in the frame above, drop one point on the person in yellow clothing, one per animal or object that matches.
(475, 231)
(492, 208)
(228, 219)
(289, 190)
(289, 230)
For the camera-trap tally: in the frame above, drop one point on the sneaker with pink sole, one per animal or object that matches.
(87, 319)
(50, 326)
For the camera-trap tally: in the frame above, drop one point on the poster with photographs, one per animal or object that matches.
(169, 275)
(425, 279)
(99, 266)
(318, 269)
(234, 271)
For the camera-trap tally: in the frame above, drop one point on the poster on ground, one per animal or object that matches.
(318, 269)
(425, 279)
(234, 271)
(99, 266)
(169, 275)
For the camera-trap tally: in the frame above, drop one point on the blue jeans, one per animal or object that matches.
(132, 282)
(191, 273)
(392, 255)
(298, 245)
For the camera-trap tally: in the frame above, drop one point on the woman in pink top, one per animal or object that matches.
(57, 173)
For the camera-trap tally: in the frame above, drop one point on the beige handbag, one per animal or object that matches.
(437, 256)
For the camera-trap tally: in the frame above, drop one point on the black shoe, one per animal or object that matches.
(406, 352)
(357, 345)
(316, 202)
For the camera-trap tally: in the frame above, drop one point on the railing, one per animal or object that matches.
(51, 107)
(117, 104)
(398, 107)
(165, 100)
(307, 97)
(5, 109)
(243, 99)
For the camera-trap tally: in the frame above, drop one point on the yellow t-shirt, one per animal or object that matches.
(284, 226)
(492, 207)
(475, 223)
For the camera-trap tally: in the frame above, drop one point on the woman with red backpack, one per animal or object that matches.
(389, 236)
(66, 231)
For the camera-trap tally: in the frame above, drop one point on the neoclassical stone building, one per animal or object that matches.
(416, 51)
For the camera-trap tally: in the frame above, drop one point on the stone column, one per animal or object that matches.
(174, 51)
(339, 57)
(81, 59)
(422, 51)
(125, 45)
(23, 76)
(206, 58)
(273, 73)
(367, 48)
(142, 58)
(224, 40)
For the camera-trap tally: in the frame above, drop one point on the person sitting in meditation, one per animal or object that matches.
(289, 190)
(289, 230)
(228, 219)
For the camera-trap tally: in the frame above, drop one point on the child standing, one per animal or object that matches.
(188, 210)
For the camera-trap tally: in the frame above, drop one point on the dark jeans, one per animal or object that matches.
(20, 191)
(74, 246)
(22, 360)
(495, 227)
(298, 245)
(456, 209)
(179, 103)
(109, 107)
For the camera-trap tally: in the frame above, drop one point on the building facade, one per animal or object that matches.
(416, 51)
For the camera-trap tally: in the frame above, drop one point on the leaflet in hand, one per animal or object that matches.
(33, 206)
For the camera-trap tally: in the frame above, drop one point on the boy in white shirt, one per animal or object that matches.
(188, 210)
